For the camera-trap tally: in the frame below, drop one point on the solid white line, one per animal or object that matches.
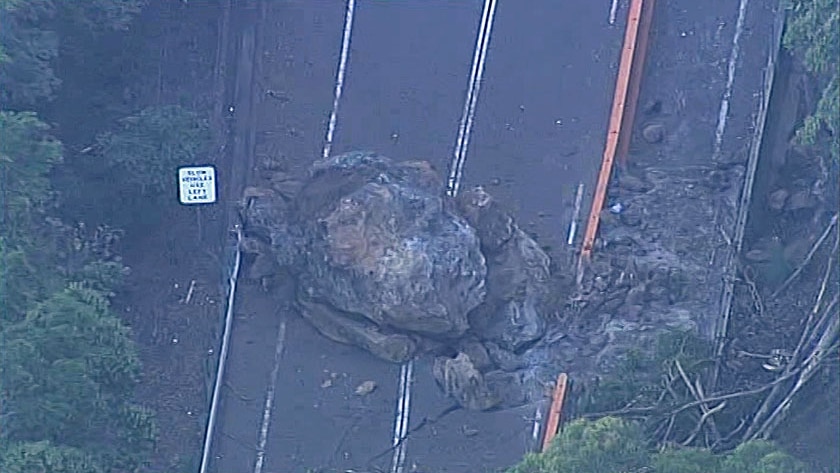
(400, 407)
(462, 142)
(613, 11)
(730, 79)
(401, 423)
(269, 398)
(223, 353)
(479, 41)
(339, 80)
(535, 433)
(575, 215)
(479, 58)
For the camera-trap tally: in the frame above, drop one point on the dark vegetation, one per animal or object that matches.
(70, 367)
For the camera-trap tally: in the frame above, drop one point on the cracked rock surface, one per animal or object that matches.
(384, 261)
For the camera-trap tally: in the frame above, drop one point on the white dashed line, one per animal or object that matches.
(730, 79)
(339, 78)
(269, 398)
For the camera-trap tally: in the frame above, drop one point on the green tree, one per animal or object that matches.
(685, 460)
(27, 155)
(68, 374)
(813, 34)
(612, 445)
(147, 147)
(30, 41)
(44, 457)
(760, 456)
(606, 445)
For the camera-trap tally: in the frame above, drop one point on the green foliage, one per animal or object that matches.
(813, 33)
(68, 358)
(44, 457)
(100, 15)
(611, 445)
(152, 144)
(686, 460)
(27, 155)
(30, 37)
(638, 380)
(760, 456)
(605, 445)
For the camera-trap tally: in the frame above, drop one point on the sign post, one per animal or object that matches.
(197, 187)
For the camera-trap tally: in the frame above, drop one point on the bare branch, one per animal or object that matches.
(807, 260)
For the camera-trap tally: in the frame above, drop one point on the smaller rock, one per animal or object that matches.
(652, 107)
(654, 133)
(477, 353)
(800, 200)
(633, 184)
(631, 312)
(365, 388)
(506, 360)
(777, 199)
(327, 383)
(469, 431)
(758, 255)
(631, 217)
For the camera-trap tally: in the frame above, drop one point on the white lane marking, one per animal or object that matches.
(269, 398)
(479, 58)
(339, 79)
(730, 79)
(575, 215)
(613, 11)
(535, 433)
(482, 30)
(400, 407)
(401, 424)
(223, 354)
(456, 170)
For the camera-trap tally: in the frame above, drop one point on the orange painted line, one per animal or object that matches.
(552, 424)
(622, 87)
(635, 81)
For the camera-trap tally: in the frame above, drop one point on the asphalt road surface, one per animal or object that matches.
(539, 132)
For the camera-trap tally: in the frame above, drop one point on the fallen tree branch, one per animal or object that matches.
(808, 258)
(828, 269)
(697, 393)
(805, 338)
(689, 405)
(811, 364)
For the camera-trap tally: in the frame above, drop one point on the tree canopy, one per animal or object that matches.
(69, 365)
(612, 445)
(813, 34)
(152, 144)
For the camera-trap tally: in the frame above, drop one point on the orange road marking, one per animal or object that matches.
(629, 70)
(552, 424)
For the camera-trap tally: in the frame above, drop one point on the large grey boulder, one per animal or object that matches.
(384, 261)
(381, 244)
(517, 275)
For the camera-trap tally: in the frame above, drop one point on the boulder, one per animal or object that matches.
(383, 246)
(459, 379)
(344, 328)
(517, 273)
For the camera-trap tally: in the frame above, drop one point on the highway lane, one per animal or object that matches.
(407, 70)
(404, 94)
(297, 49)
(542, 117)
(539, 131)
